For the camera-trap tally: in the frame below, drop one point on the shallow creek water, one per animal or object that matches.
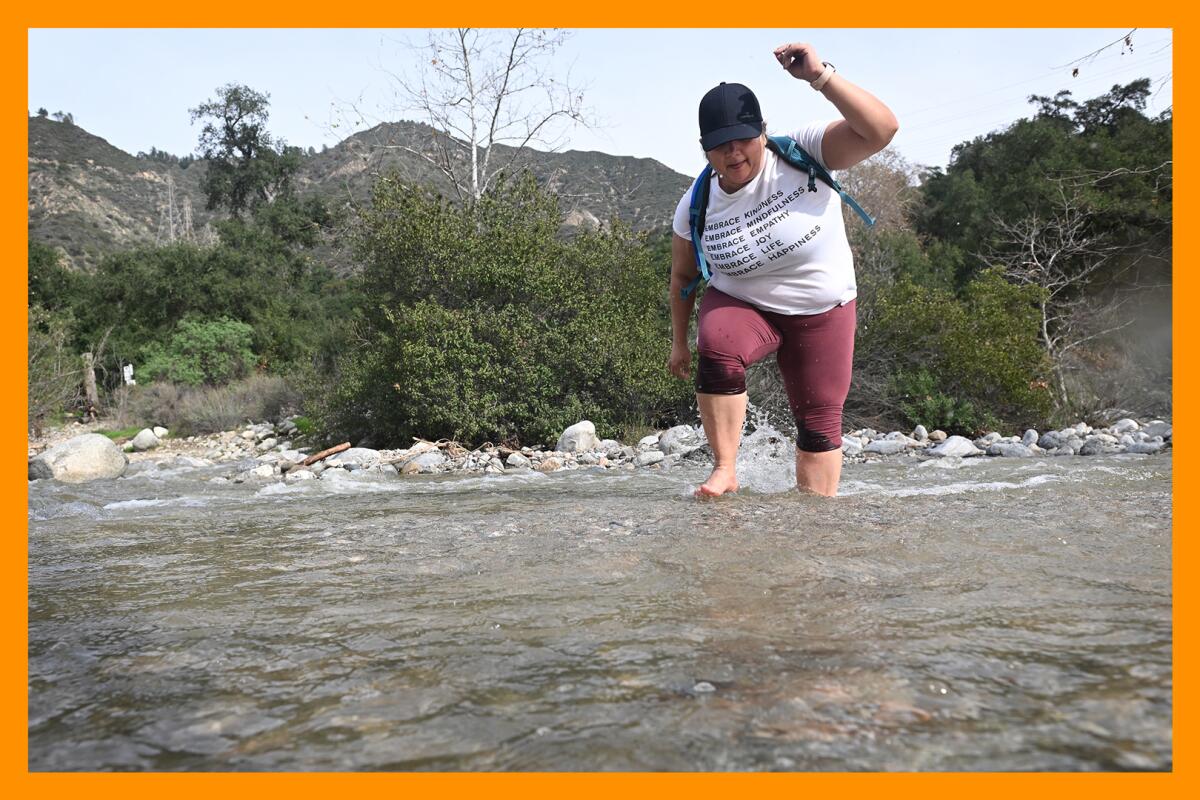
(986, 614)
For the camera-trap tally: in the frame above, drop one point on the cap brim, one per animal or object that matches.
(720, 136)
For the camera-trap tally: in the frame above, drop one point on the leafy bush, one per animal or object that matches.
(923, 403)
(201, 352)
(968, 361)
(484, 325)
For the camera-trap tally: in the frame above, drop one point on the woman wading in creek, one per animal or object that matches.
(782, 274)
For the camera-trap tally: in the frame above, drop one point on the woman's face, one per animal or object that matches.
(737, 161)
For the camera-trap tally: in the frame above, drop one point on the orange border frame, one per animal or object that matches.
(621, 13)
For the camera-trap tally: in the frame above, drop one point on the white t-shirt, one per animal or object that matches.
(773, 243)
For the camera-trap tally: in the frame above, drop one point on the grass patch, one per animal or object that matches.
(122, 433)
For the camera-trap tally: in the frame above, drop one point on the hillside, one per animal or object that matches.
(88, 198)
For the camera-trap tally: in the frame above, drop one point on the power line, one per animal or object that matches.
(1043, 76)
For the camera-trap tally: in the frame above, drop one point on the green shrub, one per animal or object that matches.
(970, 361)
(201, 352)
(922, 403)
(484, 325)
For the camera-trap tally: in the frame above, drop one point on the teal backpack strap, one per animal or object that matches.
(788, 149)
(696, 212)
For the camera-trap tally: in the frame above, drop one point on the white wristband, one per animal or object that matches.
(824, 77)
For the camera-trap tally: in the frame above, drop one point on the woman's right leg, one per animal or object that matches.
(731, 335)
(723, 416)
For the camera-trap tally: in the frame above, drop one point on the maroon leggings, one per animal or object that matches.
(815, 353)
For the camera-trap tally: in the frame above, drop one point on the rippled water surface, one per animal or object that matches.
(990, 614)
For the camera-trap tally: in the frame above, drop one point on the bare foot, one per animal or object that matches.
(722, 480)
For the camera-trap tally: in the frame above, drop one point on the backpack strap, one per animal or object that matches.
(790, 151)
(696, 214)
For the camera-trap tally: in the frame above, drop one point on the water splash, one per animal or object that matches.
(767, 457)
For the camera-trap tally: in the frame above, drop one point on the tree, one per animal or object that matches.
(43, 113)
(246, 167)
(1060, 253)
(489, 95)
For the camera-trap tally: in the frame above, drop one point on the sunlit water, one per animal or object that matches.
(986, 614)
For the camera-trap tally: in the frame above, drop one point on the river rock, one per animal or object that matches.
(920, 433)
(1096, 446)
(363, 457)
(297, 475)
(682, 439)
(516, 460)
(145, 440)
(938, 435)
(648, 457)
(1009, 450)
(89, 457)
(955, 446)
(267, 444)
(159, 431)
(1050, 440)
(886, 447)
(1125, 425)
(1030, 438)
(578, 438)
(1157, 428)
(1144, 448)
(897, 436)
(647, 442)
(549, 465)
(424, 462)
(851, 445)
(609, 447)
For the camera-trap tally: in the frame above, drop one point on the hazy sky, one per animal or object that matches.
(134, 87)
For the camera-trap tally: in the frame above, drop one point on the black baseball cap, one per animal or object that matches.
(729, 111)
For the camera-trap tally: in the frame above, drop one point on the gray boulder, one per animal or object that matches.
(648, 442)
(145, 440)
(364, 457)
(425, 462)
(681, 439)
(886, 447)
(955, 446)
(1144, 448)
(649, 457)
(1050, 440)
(1009, 450)
(851, 445)
(89, 457)
(516, 460)
(938, 436)
(160, 431)
(1096, 446)
(1157, 428)
(1030, 438)
(1125, 425)
(578, 438)
(920, 433)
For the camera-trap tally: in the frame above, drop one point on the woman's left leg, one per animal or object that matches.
(816, 359)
